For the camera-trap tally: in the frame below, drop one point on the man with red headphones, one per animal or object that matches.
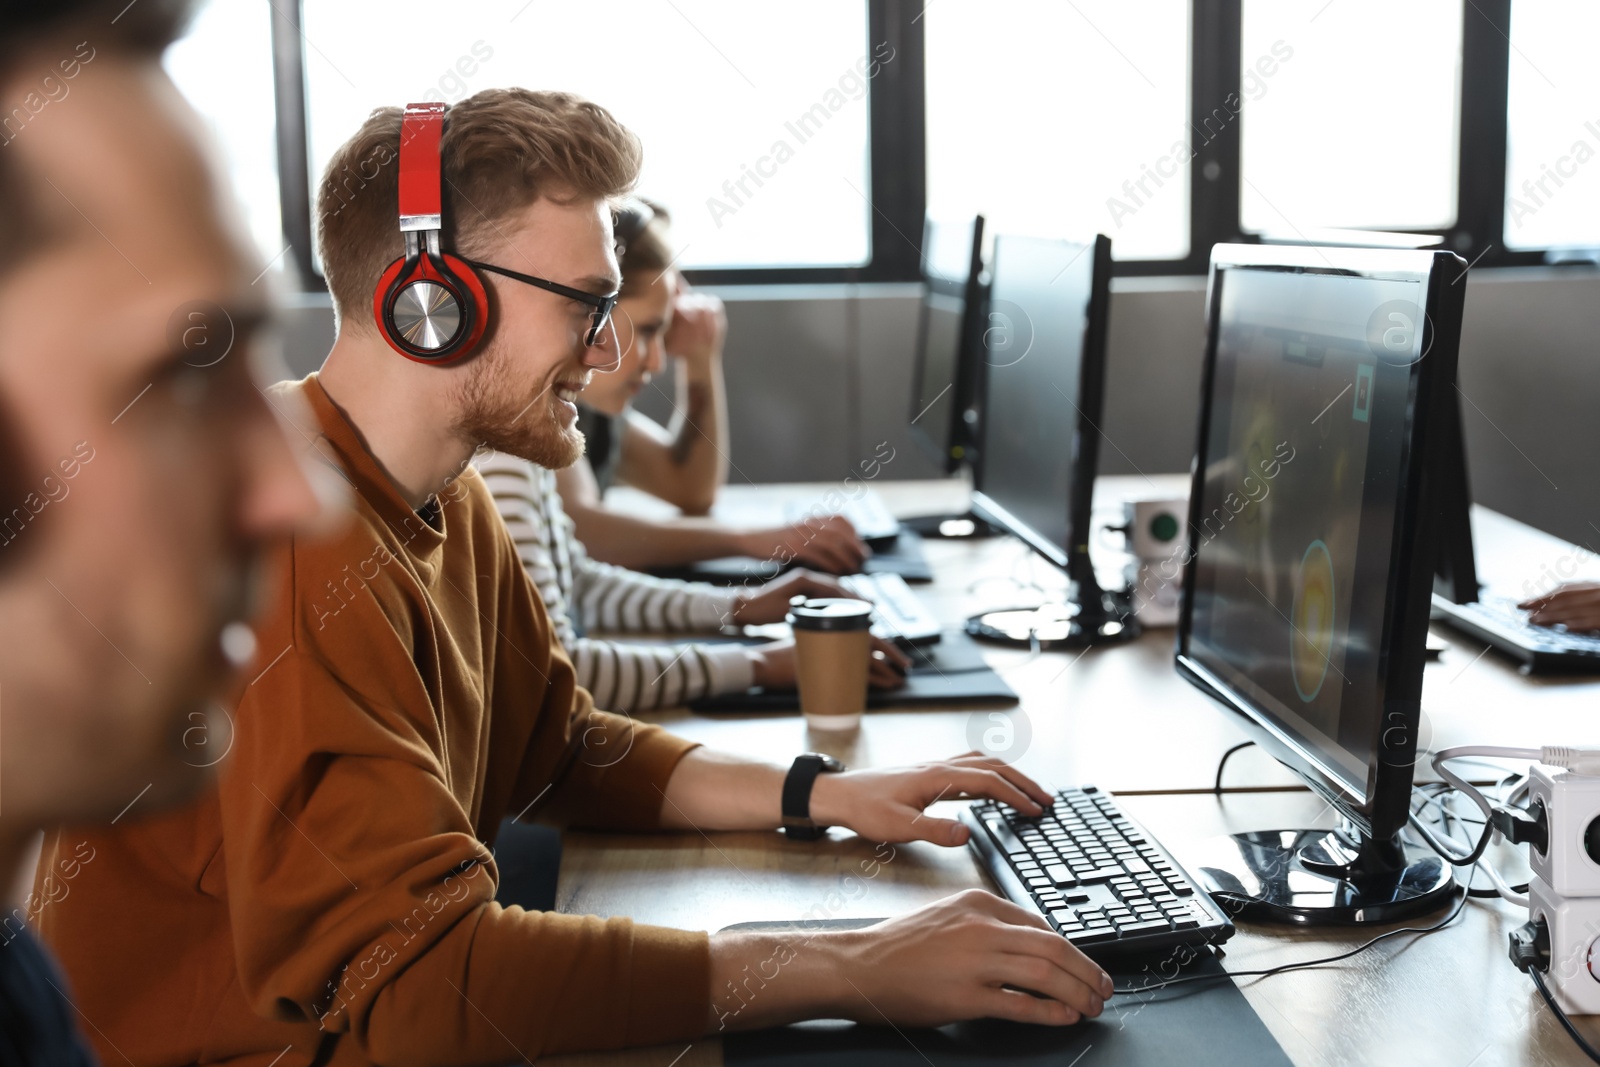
(333, 900)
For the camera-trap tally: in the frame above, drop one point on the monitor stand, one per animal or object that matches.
(1322, 877)
(1100, 618)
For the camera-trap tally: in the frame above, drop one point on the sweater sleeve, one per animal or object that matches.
(623, 676)
(360, 897)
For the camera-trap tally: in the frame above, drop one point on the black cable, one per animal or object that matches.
(1432, 795)
(1566, 1023)
(1469, 860)
(1268, 972)
(1223, 762)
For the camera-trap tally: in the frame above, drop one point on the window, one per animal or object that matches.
(754, 117)
(1351, 114)
(1020, 127)
(1553, 126)
(808, 147)
(223, 66)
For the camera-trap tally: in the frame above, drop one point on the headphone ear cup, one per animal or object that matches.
(381, 297)
(454, 284)
(477, 296)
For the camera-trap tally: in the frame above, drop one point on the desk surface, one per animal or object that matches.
(1450, 997)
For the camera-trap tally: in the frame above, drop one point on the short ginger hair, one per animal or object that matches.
(502, 150)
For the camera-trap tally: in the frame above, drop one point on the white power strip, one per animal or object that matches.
(1574, 930)
(1569, 864)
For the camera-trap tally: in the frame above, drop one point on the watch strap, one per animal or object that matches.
(797, 785)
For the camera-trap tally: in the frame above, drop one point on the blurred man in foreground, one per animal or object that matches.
(142, 470)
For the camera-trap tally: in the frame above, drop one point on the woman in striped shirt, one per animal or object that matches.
(583, 595)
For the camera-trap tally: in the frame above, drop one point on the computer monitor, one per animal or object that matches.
(945, 378)
(1044, 359)
(1314, 524)
(1455, 570)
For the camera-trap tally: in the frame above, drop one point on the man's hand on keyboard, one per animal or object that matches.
(774, 668)
(886, 804)
(770, 602)
(828, 543)
(1575, 605)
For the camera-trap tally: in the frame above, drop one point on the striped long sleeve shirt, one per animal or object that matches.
(583, 595)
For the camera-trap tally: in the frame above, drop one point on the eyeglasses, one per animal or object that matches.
(602, 305)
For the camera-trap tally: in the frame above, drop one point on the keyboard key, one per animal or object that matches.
(1145, 926)
(1077, 898)
(1003, 836)
(1098, 874)
(1136, 866)
(1093, 937)
(1060, 874)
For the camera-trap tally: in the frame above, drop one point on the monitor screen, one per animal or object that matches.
(1294, 535)
(1041, 310)
(942, 383)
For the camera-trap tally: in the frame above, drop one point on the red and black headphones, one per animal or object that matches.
(430, 305)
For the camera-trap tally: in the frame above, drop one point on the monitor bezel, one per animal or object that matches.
(1072, 557)
(1384, 809)
(960, 437)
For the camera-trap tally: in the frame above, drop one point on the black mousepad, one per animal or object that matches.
(950, 670)
(1204, 1024)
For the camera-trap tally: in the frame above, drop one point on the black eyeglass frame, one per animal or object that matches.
(603, 305)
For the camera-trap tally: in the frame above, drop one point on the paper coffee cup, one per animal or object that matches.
(833, 653)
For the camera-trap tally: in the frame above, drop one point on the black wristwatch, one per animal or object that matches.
(803, 773)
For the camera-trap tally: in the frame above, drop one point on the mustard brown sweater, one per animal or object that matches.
(333, 895)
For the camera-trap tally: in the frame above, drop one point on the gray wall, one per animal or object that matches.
(820, 374)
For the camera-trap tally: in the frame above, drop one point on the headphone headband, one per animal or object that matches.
(431, 306)
(420, 129)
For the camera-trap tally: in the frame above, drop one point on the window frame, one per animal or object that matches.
(897, 141)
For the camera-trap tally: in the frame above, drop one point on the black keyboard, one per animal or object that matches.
(1095, 875)
(1497, 621)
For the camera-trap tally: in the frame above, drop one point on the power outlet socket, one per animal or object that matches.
(1574, 925)
(1569, 864)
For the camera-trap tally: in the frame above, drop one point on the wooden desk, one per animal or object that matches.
(1122, 718)
(1084, 709)
(1449, 997)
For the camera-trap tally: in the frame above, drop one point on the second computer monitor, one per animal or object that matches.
(1044, 349)
(1044, 355)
